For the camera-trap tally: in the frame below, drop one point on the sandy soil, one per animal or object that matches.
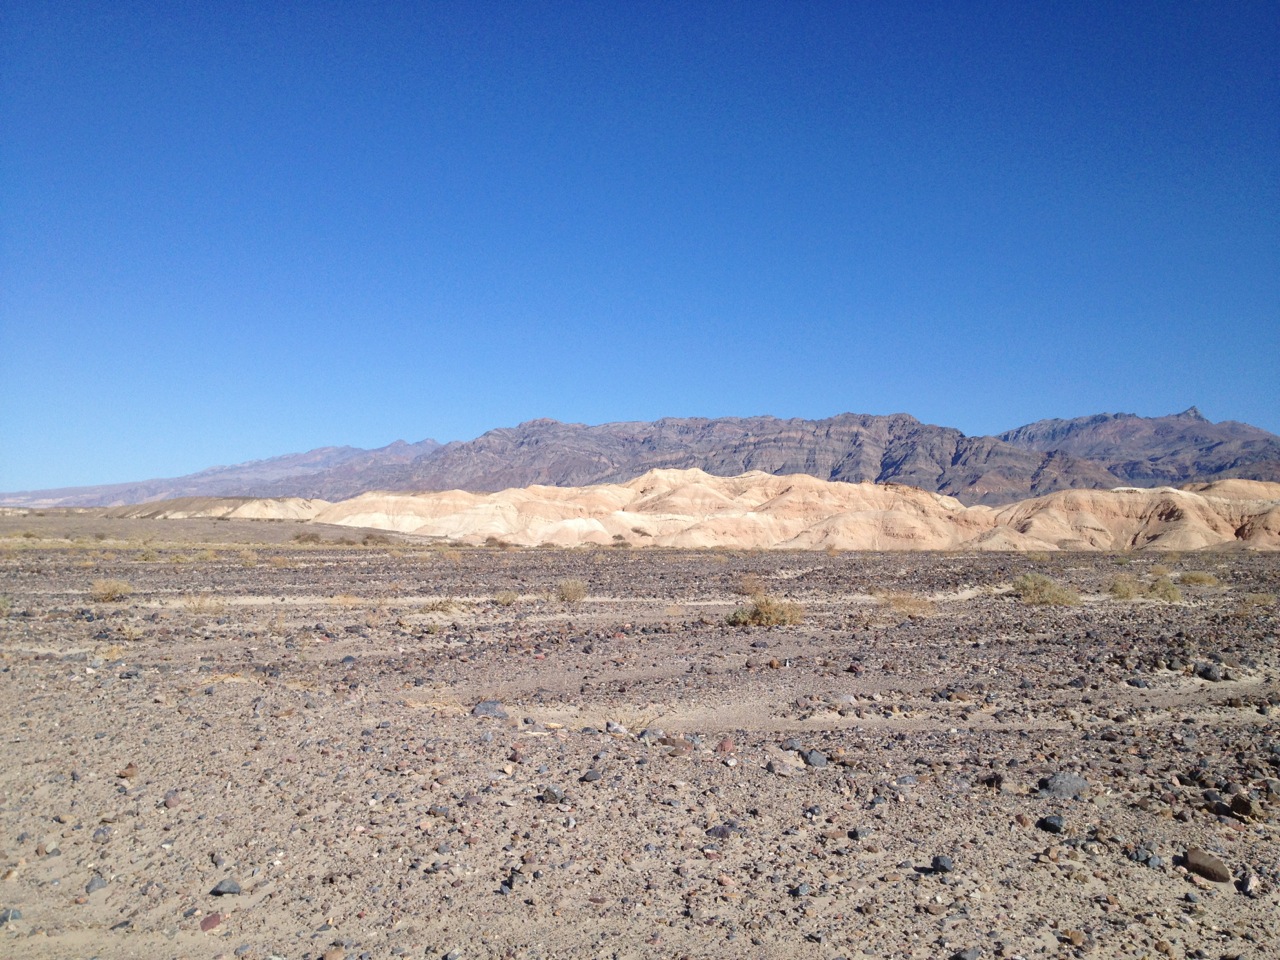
(400, 751)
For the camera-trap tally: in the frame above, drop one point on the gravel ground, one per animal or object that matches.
(271, 748)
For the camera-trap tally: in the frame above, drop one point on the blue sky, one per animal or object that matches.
(234, 230)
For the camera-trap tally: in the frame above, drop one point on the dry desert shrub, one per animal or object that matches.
(247, 558)
(110, 591)
(505, 598)
(6, 604)
(766, 612)
(1038, 590)
(908, 604)
(1247, 605)
(1198, 578)
(204, 604)
(206, 556)
(1160, 570)
(571, 591)
(440, 605)
(279, 562)
(1163, 589)
(308, 537)
(749, 585)
(1125, 588)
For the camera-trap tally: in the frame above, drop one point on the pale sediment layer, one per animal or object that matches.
(693, 509)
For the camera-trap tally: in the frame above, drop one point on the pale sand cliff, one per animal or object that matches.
(693, 509)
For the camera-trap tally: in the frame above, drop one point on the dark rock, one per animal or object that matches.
(94, 885)
(969, 953)
(1063, 786)
(1209, 671)
(1053, 824)
(1205, 864)
(489, 708)
(227, 887)
(942, 864)
(591, 776)
(9, 914)
(814, 758)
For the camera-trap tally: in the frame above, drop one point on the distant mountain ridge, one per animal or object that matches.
(1154, 451)
(1096, 452)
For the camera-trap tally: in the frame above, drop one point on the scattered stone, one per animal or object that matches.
(210, 921)
(1051, 824)
(1250, 885)
(94, 885)
(942, 864)
(9, 914)
(1063, 786)
(1210, 671)
(591, 776)
(1205, 864)
(552, 794)
(225, 888)
(968, 953)
(814, 758)
(489, 708)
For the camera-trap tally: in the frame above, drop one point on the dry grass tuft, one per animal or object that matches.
(1038, 590)
(1127, 588)
(908, 604)
(505, 598)
(204, 605)
(571, 591)
(1198, 578)
(767, 612)
(1163, 589)
(110, 591)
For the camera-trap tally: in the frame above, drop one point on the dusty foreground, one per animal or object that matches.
(387, 751)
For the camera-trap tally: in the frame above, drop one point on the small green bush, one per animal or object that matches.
(1038, 590)
(766, 612)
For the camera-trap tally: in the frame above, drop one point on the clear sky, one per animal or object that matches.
(235, 230)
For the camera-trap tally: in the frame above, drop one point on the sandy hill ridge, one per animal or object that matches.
(693, 509)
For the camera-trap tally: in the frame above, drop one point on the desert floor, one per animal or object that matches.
(392, 749)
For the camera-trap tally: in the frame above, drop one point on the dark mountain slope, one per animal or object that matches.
(1152, 451)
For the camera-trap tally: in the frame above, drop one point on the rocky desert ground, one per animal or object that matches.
(272, 739)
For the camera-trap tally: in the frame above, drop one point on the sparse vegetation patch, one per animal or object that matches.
(1038, 590)
(110, 591)
(766, 612)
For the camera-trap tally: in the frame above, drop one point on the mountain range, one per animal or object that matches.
(1095, 452)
